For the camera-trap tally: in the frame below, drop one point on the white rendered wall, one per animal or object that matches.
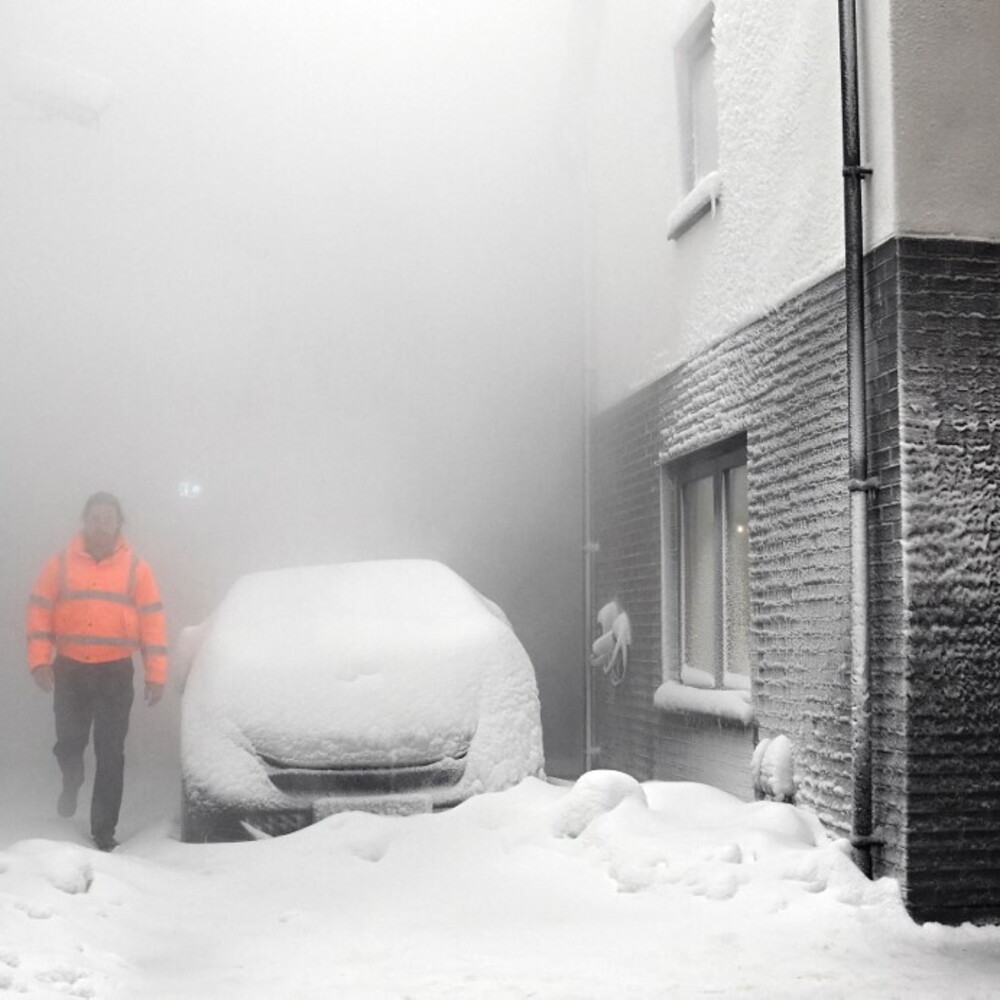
(947, 95)
(779, 224)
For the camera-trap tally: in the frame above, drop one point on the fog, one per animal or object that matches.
(299, 283)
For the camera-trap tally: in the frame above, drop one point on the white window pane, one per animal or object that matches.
(736, 572)
(704, 114)
(700, 559)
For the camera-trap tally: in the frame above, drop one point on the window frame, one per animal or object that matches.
(701, 189)
(714, 461)
(694, 45)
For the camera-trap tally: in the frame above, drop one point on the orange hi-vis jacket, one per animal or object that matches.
(96, 611)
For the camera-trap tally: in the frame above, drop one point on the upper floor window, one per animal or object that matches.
(699, 106)
(698, 115)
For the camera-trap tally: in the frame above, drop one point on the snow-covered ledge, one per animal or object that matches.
(734, 705)
(702, 197)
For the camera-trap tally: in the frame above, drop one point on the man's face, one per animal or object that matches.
(100, 529)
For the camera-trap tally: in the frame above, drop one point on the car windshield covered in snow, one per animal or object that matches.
(390, 686)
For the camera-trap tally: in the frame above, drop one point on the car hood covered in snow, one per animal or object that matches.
(373, 664)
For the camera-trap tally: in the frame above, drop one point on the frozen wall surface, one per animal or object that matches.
(295, 281)
(777, 224)
(928, 112)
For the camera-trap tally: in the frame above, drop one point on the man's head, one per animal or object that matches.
(102, 523)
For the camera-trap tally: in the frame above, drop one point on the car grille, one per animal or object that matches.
(366, 780)
(278, 822)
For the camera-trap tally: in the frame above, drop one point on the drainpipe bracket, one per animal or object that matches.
(592, 547)
(867, 841)
(869, 485)
(853, 170)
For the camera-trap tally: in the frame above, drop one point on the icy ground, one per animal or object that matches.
(605, 890)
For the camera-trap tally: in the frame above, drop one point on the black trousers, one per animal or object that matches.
(98, 695)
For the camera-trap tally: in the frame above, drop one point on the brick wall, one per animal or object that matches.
(626, 524)
(886, 642)
(949, 330)
(934, 445)
(782, 382)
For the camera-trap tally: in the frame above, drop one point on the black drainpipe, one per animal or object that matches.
(862, 838)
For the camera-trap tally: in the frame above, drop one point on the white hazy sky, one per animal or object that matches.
(317, 258)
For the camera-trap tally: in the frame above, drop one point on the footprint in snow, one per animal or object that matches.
(35, 912)
(66, 979)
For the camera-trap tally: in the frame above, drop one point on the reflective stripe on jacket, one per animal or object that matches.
(97, 611)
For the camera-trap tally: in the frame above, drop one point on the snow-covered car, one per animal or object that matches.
(388, 686)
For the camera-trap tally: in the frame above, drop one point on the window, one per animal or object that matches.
(707, 569)
(698, 115)
(699, 109)
(715, 575)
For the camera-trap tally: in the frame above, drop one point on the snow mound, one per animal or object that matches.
(702, 840)
(772, 768)
(64, 867)
(594, 793)
(453, 903)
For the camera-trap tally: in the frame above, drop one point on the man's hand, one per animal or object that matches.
(44, 677)
(154, 692)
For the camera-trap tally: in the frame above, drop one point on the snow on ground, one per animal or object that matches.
(605, 889)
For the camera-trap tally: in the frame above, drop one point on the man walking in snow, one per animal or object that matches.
(93, 605)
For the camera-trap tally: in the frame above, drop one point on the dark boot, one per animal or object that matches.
(105, 842)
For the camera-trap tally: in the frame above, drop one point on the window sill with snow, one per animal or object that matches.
(701, 199)
(691, 695)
